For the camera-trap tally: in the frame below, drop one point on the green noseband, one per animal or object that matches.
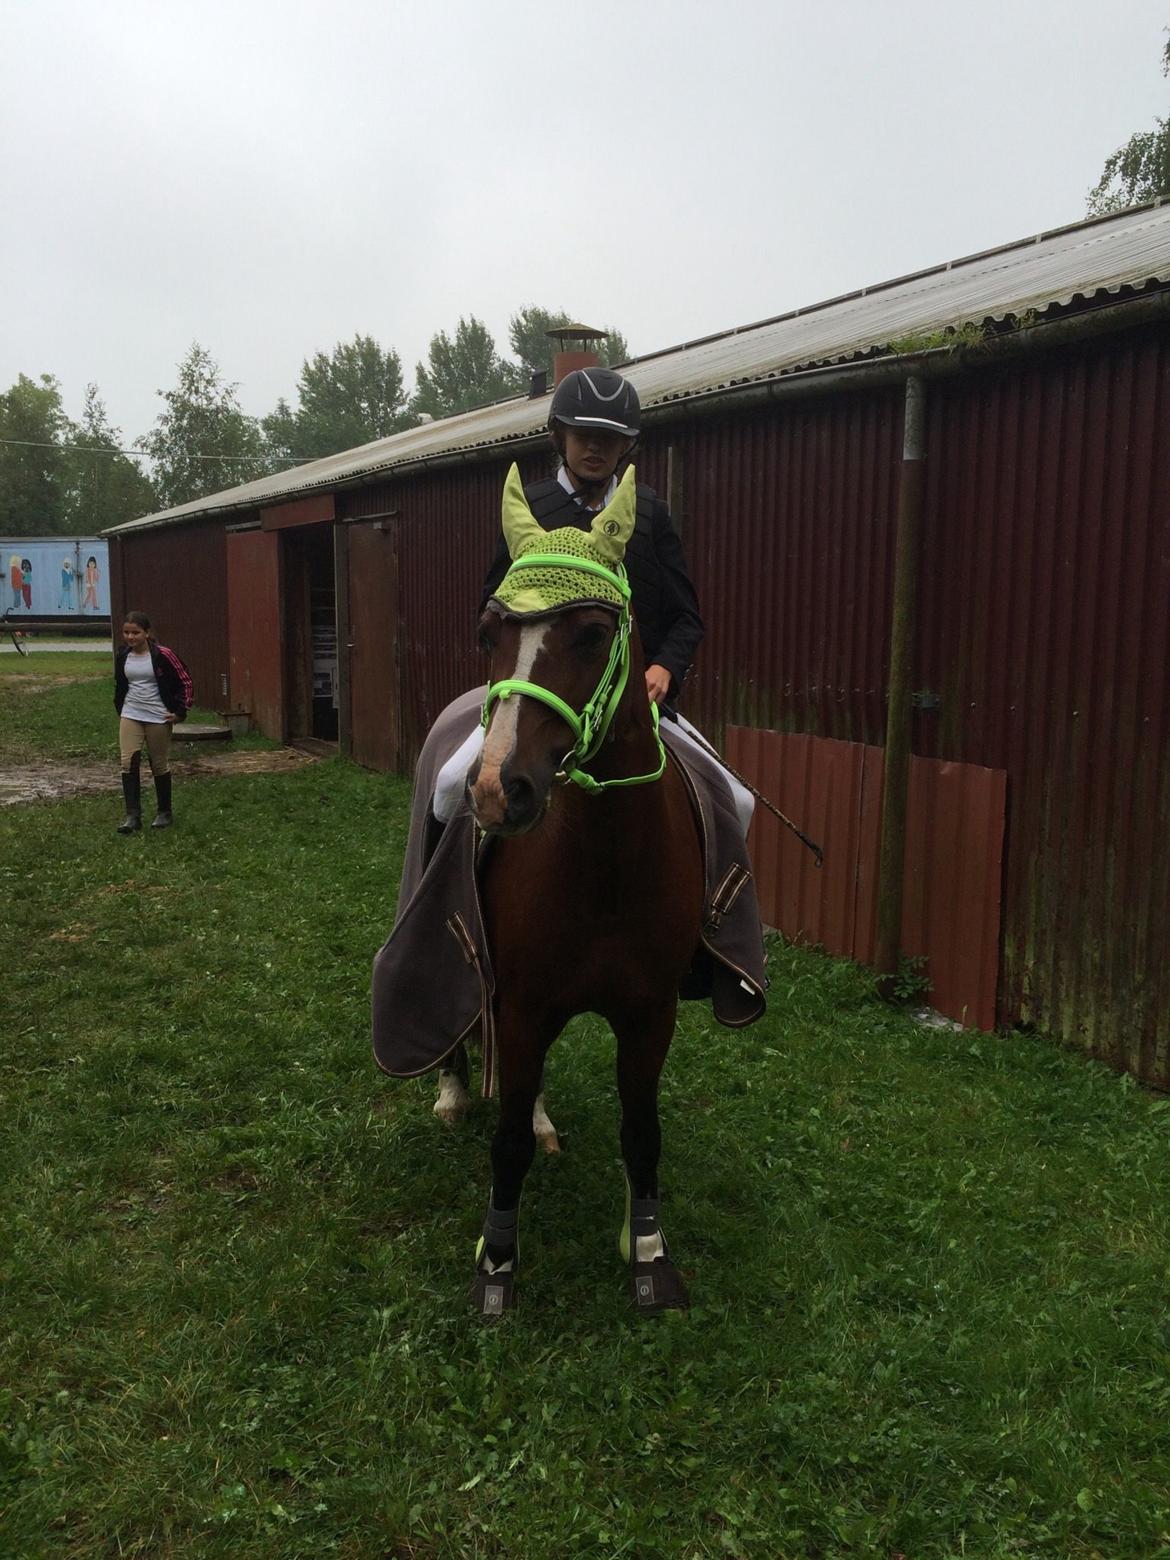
(591, 726)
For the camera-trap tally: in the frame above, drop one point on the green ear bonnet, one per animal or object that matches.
(532, 589)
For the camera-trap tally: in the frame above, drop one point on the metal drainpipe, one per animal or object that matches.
(896, 766)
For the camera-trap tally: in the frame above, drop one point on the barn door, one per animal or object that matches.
(253, 600)
(375, 712)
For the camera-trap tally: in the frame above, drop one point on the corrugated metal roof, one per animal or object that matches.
(1051, 270)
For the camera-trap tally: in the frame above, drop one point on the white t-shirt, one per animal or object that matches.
(143, 700)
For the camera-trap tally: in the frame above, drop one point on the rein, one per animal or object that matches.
(591, 726)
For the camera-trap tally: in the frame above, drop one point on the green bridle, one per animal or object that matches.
(591, 726)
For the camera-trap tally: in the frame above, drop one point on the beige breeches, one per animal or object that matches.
(157, 734)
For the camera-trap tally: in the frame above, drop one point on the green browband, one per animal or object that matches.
(591, 726)
(615, 577)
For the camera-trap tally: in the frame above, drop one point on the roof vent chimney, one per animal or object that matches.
(576, 348)
(539, 384)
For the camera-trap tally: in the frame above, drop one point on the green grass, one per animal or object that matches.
(59, 704)
(929, 1270)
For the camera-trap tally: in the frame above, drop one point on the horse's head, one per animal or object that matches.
(557, 632)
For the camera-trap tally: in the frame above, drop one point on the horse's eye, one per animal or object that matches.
(591, 639)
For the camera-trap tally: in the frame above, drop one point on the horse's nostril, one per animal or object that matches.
(521, 794)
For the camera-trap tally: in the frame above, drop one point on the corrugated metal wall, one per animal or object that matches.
(1045, 627)
(178, 577)
(788, 518)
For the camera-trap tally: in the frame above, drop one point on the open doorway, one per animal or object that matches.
(310, 637)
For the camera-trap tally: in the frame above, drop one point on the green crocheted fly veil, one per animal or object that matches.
(542, 588)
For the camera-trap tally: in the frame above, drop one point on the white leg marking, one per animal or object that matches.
(546, 1133)
(648, 1248)
(454, 1101)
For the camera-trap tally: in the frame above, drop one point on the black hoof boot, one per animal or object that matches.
(496, 1257)
(491, 1295)
(655, 1285)
(658, 1286)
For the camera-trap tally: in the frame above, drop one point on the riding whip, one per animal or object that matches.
(818, 853)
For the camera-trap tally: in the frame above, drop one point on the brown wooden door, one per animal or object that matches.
(374, 693)
(253, 595)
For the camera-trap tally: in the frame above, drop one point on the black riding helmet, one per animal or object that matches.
(596, 398)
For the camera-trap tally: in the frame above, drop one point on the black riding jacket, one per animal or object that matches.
(174, 680)
(661, 594)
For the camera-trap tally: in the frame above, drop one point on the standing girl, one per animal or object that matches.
(152, 690)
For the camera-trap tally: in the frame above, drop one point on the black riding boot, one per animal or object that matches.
(162, 792)
(132, 793)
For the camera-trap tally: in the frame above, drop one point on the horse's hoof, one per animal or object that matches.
(658, 1286)
(450, 1115)
(491, 1295)
(549, 1142)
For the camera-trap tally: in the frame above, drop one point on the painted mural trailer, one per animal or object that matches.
(55, 581)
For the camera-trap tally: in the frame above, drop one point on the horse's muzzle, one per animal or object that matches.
(504, 802)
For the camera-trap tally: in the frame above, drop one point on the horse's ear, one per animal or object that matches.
(520, 524)
(614, 526)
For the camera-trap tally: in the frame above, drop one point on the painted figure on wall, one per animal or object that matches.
(65, 595)
(15, 579)
(92, 576)
(26, 581)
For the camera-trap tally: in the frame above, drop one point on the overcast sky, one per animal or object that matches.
(268, 177)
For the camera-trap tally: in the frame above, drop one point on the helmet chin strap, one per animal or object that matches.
(584, 488)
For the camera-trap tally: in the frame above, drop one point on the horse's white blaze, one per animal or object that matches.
(546, 1133)
(454, 1101)
(501, 733)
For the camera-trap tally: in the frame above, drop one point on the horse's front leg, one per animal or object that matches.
(643, 1039)
(522, 1048)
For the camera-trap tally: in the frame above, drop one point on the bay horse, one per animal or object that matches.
(592, 888)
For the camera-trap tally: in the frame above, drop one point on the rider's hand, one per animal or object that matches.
(657, 683)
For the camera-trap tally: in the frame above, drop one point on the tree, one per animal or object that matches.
(1137, 171)
(31, 466)
(351, 397)
(103, 487)
(203, 441)
(280, 437)
(527, 333)
(462, 372)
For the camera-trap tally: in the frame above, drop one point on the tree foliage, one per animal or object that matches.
(467, 370)
(1137, 171)
(32, 477)
(462, 371)
(103, 487)
(203, 441)
(350, 397)
(528, 336)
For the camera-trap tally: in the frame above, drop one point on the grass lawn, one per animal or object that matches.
(930, 1270)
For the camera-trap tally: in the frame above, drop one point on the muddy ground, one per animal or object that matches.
(49, 782)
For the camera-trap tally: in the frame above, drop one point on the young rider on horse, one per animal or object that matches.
(594, 422)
